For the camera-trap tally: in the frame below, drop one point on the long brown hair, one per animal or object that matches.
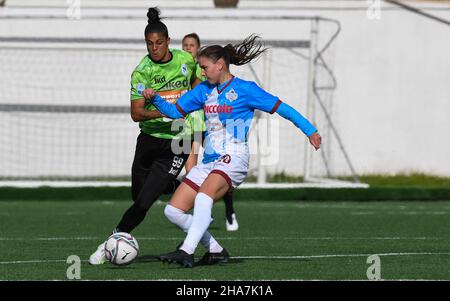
(239, 54)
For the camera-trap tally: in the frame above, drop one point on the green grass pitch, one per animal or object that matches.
(277, 240)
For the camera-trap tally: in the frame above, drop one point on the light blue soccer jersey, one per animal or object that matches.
(229, 110)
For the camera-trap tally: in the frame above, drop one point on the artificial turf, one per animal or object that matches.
(277, 240)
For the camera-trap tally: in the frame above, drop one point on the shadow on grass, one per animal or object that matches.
(147, 258)
(154, 258)
(232, 261)
(243, 260)
(120, 267)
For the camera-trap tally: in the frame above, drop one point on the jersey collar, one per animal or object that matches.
(226, 85)
(159, 62)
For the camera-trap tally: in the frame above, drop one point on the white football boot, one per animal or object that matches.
(234, 226)
(99, 256)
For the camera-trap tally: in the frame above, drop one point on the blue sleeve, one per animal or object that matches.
(261, 99)
(289, 113)
(190, 101)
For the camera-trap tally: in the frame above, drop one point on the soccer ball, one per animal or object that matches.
(121, 248)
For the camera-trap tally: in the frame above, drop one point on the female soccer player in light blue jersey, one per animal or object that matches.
(191, 44)
(229, 104)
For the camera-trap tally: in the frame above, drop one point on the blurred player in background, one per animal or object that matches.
(191, 44)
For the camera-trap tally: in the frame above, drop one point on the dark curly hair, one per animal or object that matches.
(154, 22)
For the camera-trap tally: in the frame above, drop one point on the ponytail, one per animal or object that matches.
(239, 54)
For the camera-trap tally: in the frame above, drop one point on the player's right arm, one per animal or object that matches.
(140, 113)
(137, 110)
(191, 101)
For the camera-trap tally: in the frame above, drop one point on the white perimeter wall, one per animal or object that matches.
(393, 96)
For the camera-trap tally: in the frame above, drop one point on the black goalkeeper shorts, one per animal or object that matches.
(155, 166)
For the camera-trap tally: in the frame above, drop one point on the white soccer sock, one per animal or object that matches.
(178, 217)
(200, 222)
(184, 221)
(210, 243)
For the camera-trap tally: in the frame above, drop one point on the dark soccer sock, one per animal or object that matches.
(131, 219)
(172, 186)
(229, 210)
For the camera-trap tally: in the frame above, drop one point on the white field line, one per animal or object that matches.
(263, 257)
(226, 238)
(47, 238)
(340, 255)
(32, 261)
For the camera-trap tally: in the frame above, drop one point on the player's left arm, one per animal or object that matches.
(264, 101)
(289, 113)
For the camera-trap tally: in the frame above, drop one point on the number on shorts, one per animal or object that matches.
(177, 162)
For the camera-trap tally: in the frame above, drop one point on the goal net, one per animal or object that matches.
(64, 104)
